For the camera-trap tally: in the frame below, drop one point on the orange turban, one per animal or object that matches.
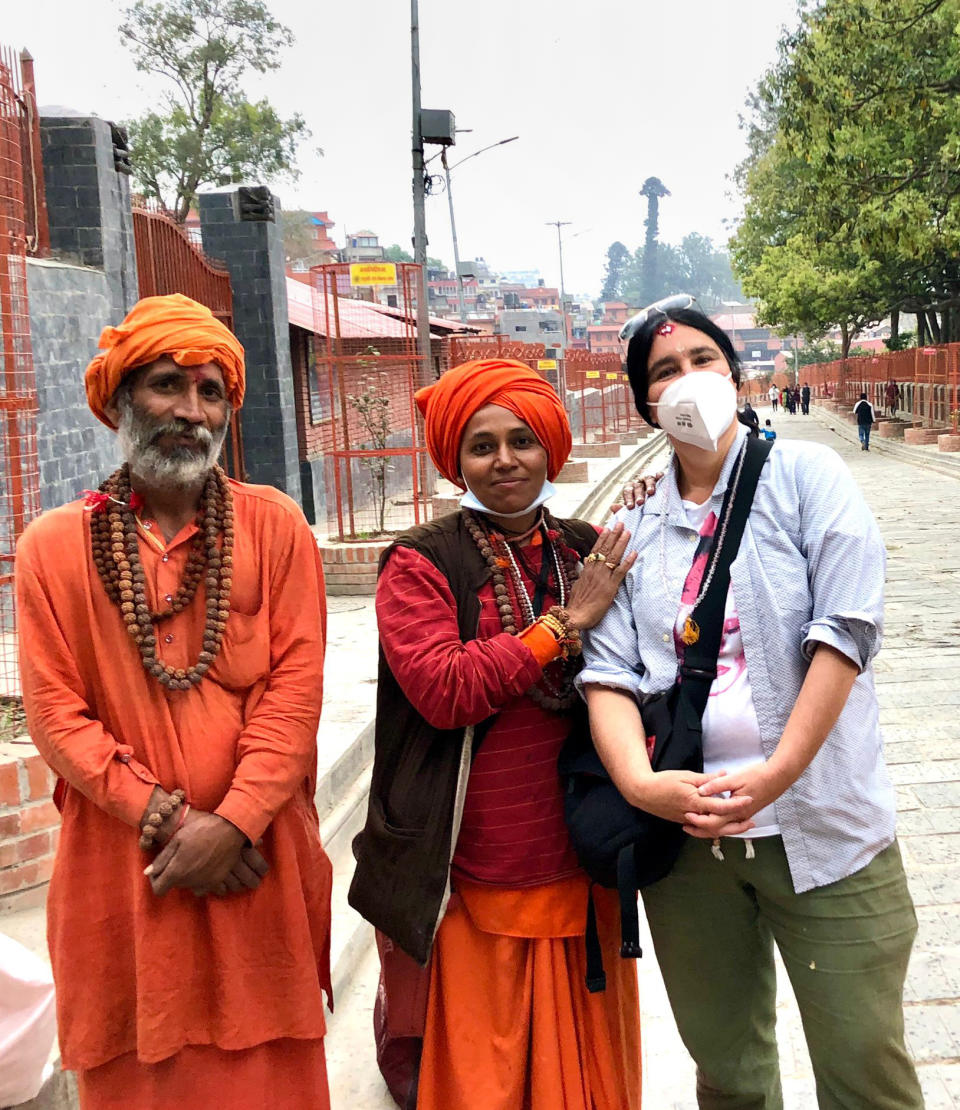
(449, 403)
(175, 326)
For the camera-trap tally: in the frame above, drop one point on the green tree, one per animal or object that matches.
(205, 131)
(854, 169)
(396, 253)
(651, 279)
(299, 237)
(618, 259)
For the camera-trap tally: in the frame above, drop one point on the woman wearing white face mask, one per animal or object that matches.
(791, 825)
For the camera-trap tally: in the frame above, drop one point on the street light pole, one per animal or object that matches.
(456, 245)
(453, 223)
(563, 311)
(419, 212)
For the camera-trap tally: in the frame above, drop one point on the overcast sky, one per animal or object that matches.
(602, 94)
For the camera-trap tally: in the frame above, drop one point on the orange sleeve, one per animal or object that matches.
(62, 724)
(541, 642)
(277, 749)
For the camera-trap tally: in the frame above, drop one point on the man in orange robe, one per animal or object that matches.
(189, 961)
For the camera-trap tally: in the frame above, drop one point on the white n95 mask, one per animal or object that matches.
(697, 408)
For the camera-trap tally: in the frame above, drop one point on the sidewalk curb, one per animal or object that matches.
(942, 464)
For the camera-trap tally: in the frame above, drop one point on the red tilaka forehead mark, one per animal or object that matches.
(665, 329)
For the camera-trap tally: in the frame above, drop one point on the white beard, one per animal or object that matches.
(175, 468)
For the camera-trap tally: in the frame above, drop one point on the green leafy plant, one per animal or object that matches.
(372, 406)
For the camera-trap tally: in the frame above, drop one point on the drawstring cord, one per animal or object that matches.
(717, 852)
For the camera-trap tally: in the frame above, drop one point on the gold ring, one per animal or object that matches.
(612, 566)
(595, 557)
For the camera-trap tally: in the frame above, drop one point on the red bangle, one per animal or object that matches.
(183, 814)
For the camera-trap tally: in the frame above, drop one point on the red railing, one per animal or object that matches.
(367, 370)
(19, 468)
(928, 379)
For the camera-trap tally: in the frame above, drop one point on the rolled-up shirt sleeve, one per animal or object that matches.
(611, 651)
(846, 564)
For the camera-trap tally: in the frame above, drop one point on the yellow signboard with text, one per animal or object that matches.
(373, 273)
(546, 364)
(592, 374)
(613, 375)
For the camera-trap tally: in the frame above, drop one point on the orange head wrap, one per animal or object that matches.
(175, 326)
(449, 403)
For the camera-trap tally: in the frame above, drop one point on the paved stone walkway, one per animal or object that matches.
(918, 676)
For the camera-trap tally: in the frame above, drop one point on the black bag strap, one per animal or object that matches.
(699, 667)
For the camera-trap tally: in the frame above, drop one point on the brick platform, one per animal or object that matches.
(949, 441)
(573, 471)
(921, 436)
(891, 429)
(29, 825)
(595, 451)
(351, 568)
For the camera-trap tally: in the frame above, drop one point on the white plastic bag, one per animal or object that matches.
(27, 1022)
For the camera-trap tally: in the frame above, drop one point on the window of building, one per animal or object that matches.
(520, 327)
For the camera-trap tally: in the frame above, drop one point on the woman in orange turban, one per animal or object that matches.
(465, 865)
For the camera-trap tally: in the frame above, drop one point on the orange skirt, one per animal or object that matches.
(510, 1023)
(284, 1074)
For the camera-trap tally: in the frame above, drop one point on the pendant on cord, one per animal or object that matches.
(691, 631)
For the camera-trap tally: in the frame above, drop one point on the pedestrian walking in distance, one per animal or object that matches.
(866, 418)
(892, 397)
(789, 815)
(805, 399)
(465, 864)
(171, 649)
(774, 395)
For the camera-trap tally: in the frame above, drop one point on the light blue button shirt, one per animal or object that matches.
(810, 570)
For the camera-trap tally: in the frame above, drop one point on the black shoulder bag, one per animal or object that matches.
(618, 845)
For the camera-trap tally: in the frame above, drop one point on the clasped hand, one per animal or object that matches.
(690, 799)
(206, 855)
(747, 792)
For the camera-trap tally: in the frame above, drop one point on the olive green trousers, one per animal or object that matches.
(845, 947)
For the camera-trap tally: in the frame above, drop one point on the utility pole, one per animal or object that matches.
(558, 224)
(419, 213)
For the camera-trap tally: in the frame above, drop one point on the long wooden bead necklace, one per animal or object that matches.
(116, 555)
(516, 611)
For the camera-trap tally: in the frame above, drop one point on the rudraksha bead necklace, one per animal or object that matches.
(496, 552)
(116, 555)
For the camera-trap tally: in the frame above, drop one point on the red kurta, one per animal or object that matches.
(136, 973)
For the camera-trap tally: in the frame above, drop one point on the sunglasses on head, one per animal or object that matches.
(636, 322)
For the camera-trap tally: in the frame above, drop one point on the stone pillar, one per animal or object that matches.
(240, 229)
(86, 175)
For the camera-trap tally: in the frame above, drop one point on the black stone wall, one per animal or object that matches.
(89, 204)
(69, 307)
(253, 253)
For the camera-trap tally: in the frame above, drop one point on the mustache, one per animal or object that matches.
(183, 429)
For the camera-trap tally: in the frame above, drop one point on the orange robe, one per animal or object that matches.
(510, 1022)
(146, 976)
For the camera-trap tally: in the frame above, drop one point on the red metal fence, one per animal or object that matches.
(928, 378)
(366, 374)
(168, 261)
(19, 468)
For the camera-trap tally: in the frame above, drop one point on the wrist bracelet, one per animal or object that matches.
(154, 821)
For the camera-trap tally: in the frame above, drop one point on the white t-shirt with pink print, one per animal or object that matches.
(731, 732)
